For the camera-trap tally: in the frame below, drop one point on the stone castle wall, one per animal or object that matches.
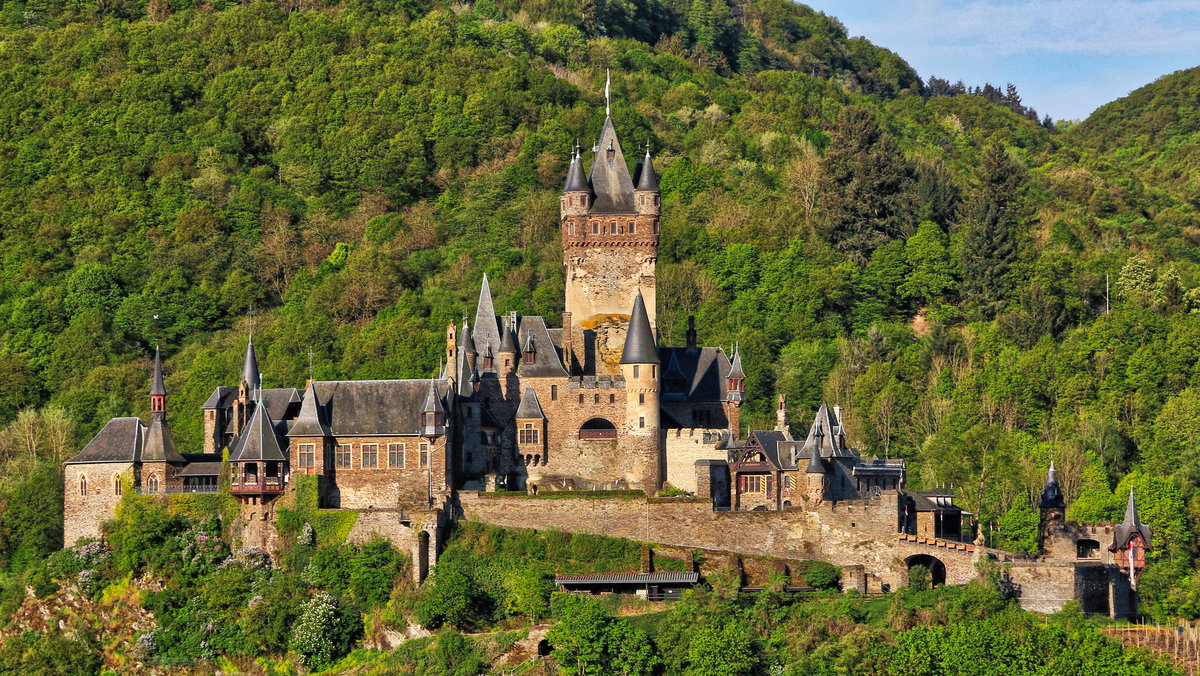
(682, 448)
(86, 512)
(361, 487)
(844, 534)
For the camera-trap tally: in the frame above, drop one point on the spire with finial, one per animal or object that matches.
(1052, 497)
(158, 390)
(607, 81)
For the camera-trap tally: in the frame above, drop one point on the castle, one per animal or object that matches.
(521, 406)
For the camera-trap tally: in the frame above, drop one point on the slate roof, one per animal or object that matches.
(930, 502)
(647, 179)
(1132, 524)
(374, 407)
(1052, 496)
(507, 344)
(735, 370)
(828, 433)
(158, 443)
(767, 442)
(250, 367)
(157, 387)
(639, 340)
(201, 469)
(433, 400)
(468, 342)
(279, 401)
(529, 408)
(311, 420)
(257, 441)
(487, 329)
(704, 370)
(222, 397)
(609, 178)
(119, 441)
(576, 181)
(546, 361)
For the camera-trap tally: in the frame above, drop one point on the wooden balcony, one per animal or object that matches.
(270, 485)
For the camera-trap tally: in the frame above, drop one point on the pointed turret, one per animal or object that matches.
(1132, 525)
(639, 340)
(257, 442)
(250, 369)
(487, 330)
(310, 422)
(576, 179)
(468, 342)
(735, 382)
(159, 445)
(1052, 497)
(433, 413)
(647, 179)
(158, 390)
(529, 408)
(735, 369)
(609, 176)
(508, 342)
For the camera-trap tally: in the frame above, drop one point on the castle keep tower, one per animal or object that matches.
(610, 245)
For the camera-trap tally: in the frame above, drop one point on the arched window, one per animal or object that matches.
(82, 485)
(116, 484)
(153, 483)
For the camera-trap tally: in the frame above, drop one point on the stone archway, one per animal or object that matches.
(937, 569)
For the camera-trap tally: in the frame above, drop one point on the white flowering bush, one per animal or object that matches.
(324, 633)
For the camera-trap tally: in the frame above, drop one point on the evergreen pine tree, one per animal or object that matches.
(988, 246)
(869, 195)
(703, 26)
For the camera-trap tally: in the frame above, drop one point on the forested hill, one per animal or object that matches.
(934, 262)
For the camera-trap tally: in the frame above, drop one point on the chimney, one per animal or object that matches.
(691, 333)
(568, 343)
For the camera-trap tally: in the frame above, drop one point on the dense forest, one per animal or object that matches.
(981, 291)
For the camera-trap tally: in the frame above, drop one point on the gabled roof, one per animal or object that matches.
(529, 408)
(119, 441)
(766, 442)
(157, 387)
(639, 340)
(647, 179)
(705, 370)
(311, 421)
(609, 178)
(546, 361)
(825, 435)
(159, 444)
(375, 407)
(257, 441)
(250, 367)
(1131, 525)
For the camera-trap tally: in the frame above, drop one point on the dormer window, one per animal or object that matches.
(434, 419)
(529, 357)
(736, 384)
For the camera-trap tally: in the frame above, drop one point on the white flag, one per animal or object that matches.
(607, 80)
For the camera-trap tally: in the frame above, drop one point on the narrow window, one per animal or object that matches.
(641, 422)
(635, 371)
(633, 228)
(653, 371)
(395, 455)
(82, 485)
(307, 455)
(572, 227)
(581, 398)
(612, 398)
(116, 485)
(554, 393)
(656, 222)
(641, 398)
(424, 454)
(595, 227)
(370, 455)
(153, 483)
(612, 227)
(596, 398)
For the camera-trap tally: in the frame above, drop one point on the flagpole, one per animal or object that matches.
(607, 80)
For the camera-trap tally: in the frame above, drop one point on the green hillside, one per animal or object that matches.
(938, 265)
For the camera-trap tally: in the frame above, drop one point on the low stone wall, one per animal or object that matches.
(415, 532)
(846, 534)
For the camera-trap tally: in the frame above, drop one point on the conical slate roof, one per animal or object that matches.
(159, 445)
(824, 436)
(1132, 524)
(250, 368)
(157, 387)
(529, 408)
(310, 422)
(468, 342)
(647, 179)
(257, 441)
(576, 180)
(1052, 496)
(639, 340)
(508, 343)
(815, 466)
(609, 176)
(487, 332)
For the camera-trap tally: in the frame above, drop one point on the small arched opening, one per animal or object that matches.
(153, 483)
(116, 484)
(1087, 549)
(598, 428)
(82, 484)
(422, 568)
(925, 570)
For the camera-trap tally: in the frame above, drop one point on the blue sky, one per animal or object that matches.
(1066, 57)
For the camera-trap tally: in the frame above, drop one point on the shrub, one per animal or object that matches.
(821, 574)
(324, 632)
